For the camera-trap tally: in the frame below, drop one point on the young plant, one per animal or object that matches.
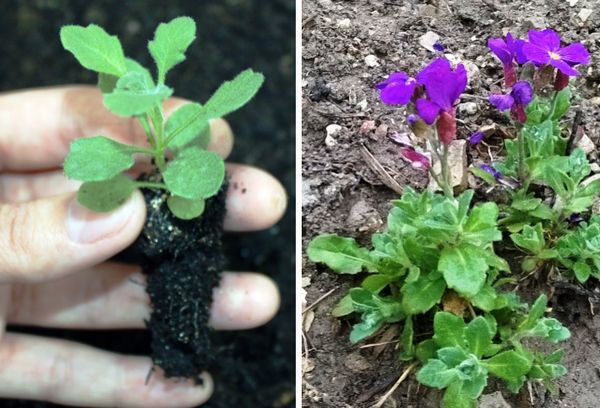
(194, 174)
(436, 257)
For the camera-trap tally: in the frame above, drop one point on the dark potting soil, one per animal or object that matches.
(183, 261)
(342, 194)
(257, 369)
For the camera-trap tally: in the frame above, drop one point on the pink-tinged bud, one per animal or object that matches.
(446, 127)
(561, 81)
(510, 75)
(417, 160)
(518, 113)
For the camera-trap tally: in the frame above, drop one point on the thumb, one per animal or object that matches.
(55, 236)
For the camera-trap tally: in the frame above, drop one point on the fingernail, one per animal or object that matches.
(85, 226)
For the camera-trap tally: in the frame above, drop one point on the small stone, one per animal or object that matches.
(332, 130)
(428, 39)
(595, 167)
(467, 108)
(584, 14)
(595, 101)
(457, 162)
(362, 105)
(381, 131)
(305, 281)
(494, 400)
(372, 61)
(357, 363)
(535, 22)
(427, 10)
(366, 127)
(344, 23)
(586, 144)
(572, 3)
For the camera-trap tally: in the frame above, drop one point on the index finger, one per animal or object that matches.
(37, 126)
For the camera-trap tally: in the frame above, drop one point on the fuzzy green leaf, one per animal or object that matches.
(106, 195)
(97, 158)
(344, 307)
(107, 83)
(582, 271)
(185, 208)
(478, 335)
(464, 268)
(449, 330)
(535, 313)
(170, 42)
(343, 255)
(94, 48)
(436, 374)
(234, 94)
(195, 173)
(188, 124)
(455, 397)
(133, 102)
(422, 295)
(508, 365)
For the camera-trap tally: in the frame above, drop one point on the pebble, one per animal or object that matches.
(381, 131)
(467, 108)
(344, 23)
(584, 14)
(595, 101)
(332, 130)
(428, 39)
(586, 144)
(572, 3)
(357, 363)
(494, 400)
(362, 105)
(372, 61)
(595, 167)
(457, 161)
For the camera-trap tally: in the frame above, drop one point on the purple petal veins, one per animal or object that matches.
(476, 138)
(522, 92)
(489, 169)
(502, 102)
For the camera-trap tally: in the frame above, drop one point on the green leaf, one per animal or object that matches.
(550, 329)
(234, 94)
(185, 208)
(344, 307)
(562, 103)
(464, 268)
(107, 83)
(94, 48)
(97, 158)
(508, 365)
(531, 238)
(343, 255)
(195, 173)
(455, 397)
(127, 102)
(535, 313)
(406, 340)
(436, 374)
(478, 335)
(452, 356)
(482, 174)
(188, 124)
(420, 296)
(370, 324)
(106, 195)
(449, 330)
(171, 40)
(582, 271)
(375, 283)
(426, 350)
(481, 226)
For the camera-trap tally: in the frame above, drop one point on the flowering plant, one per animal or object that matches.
(436, 256)
(129, 90)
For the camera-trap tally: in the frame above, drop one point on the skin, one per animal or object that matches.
(48, 279)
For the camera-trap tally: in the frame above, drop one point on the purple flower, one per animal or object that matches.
(476, 138)
(417, 160)
(411, 119)
(519, 97)
(544, 48)
(443, 87)
(398, 89)
(489, 169)
(438, 47)
(506, 51)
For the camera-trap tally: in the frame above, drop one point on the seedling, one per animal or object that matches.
(194, 174)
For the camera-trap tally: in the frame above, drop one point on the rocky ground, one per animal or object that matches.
(351, 169)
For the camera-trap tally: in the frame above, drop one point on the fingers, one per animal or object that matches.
(113, 296)
(255, 199)
(69, 373)
(37, 126)
(51, 237)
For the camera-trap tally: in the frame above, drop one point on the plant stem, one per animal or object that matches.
(553, 105)
(444, 182)
(521, 147)
(148, 131)
(446, 173)
(149, 184)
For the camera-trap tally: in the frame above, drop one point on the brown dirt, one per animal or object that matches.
(342, 194)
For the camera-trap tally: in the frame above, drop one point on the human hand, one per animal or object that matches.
(52, 258)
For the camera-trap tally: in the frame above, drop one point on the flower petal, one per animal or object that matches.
(476, 137)
(501, 50)
(486, 167)
(575, 54)
(398, 89)
(428, 111)
(564, 67)
(502, 102)
(416, 159)
(521, 58)
(535, 53)
(522, 92)
(442, 84)
(547, 39)
(400, 76)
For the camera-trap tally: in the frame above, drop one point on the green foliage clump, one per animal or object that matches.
(129, 90)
